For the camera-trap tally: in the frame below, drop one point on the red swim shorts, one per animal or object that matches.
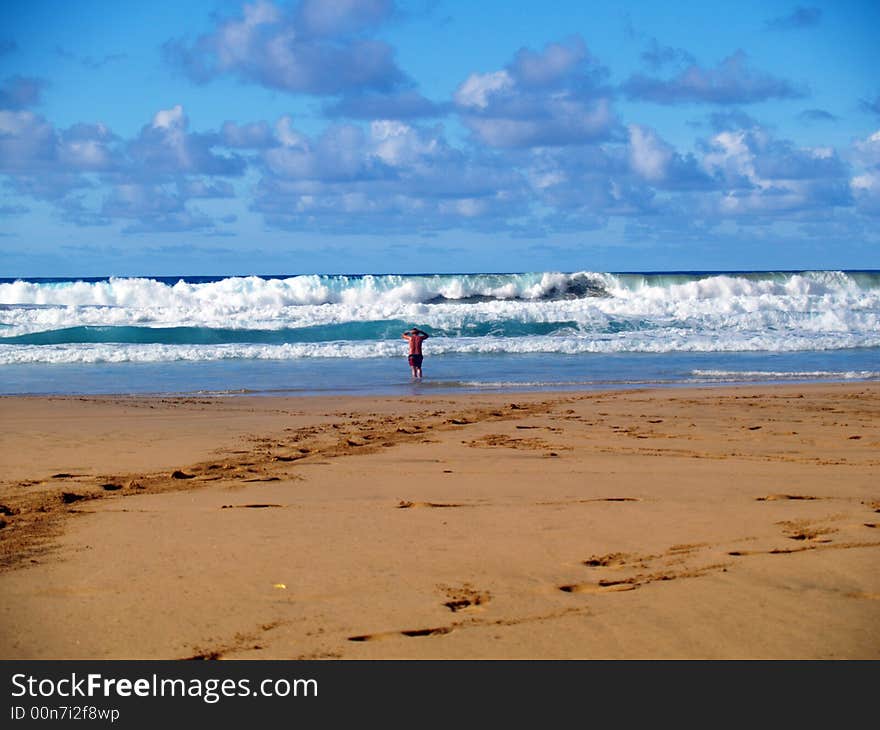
(415, 361)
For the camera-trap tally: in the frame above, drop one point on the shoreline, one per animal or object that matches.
(538, 524)
(464, 391)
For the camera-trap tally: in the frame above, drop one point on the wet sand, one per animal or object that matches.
(684, 524)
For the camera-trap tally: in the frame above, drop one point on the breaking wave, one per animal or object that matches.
(320, 316)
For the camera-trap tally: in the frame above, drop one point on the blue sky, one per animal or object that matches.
(217, 137)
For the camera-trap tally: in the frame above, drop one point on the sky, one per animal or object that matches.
(213, 137)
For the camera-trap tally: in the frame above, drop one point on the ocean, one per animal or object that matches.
(340, 334)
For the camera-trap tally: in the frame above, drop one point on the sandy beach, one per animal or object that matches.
(734, 523)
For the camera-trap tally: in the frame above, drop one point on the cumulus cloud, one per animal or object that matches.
(781, 160)
(166, 166)
(657, 162)
(89, 148)
(800, 17)
(541, 98)
(340, 153)
(760, 175)
(130, 200)
(390, 176)
(474, 91)
(546, 150)
(152, 209)
(589, 185)
(649, 156)
(866, 191)
(867, 151)
(559, 65)
(20, 92)
(27, 141)
(30, 145)
(318, 48)
(151, 177)
(731, 82)
(167, 147)
(57, 188)
(586, 186)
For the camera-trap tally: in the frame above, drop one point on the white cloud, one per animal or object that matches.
(648, 154)
(173, 118)
(866, 191)
(398, 144)
(315, 49)
(287, 135)
(236, 38)
(868, 150)
(868, 181)
(731, 157)
(552, 97)
(475, 90)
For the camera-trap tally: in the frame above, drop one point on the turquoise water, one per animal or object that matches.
(341, 334)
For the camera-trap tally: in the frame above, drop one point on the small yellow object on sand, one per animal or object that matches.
(280, 585)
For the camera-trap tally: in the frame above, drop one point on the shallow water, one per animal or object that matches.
(442, 374)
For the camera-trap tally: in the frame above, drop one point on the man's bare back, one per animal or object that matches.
(415, 337)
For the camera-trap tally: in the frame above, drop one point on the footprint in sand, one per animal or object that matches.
(816, 536)
(587, 501)
(610, 586)
(775, 497)
(464, 598)
(773, 551)
(497, 439)
(806, 530)
(686, 548)
(250, 506)
(436, 631)
(405, 504)
(612, 560)
(71, 497)
(207, 655)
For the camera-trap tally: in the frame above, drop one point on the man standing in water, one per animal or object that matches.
(415, 337)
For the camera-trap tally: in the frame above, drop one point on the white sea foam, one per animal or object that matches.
(786, 375)
(655, 314)
(660, 341)
(822, 302)
(251, 292)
